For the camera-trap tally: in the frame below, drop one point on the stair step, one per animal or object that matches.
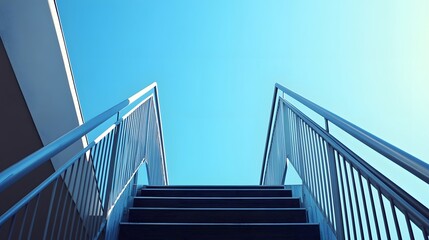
(217, 202)
(218, 215)
(212, 187)
(215, 192)
(207, 231)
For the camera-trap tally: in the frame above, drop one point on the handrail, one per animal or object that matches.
(398, 156)
(420, 211)
(86, 196)
(31, 162)
(346, 189)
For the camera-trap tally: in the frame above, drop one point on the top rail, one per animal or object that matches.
(31, 162)
(398, 156)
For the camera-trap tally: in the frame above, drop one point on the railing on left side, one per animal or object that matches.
(86, 196)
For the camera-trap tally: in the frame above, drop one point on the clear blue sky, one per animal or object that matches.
(216, 63)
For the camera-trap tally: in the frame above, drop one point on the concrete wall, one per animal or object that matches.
(19, 136)
(18, 139)
(33, 40)
(38, 98)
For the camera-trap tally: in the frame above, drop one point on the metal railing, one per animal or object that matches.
(79, 200)
(357, 200)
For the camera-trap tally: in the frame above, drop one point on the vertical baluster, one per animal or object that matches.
(51, 202)
(111, 170)
(425, 233)
(118, 175)
(84, 201)
(148, 151)
(36, 207)
(410, 229)
(146, 135)
(357, 202)
(122, 138)
(311, 162)
(322, 177)
(305, 156)
(374, 213)
(395, 219)
(80, 183)
(383, 211)
(341, 177)
(24, 219)
(11, 228)
(120, 171)
(315, 171)
(128, 167)
(350, 198)
(127, 149)
(67, 180)
(72, 210)
(104, 168)
(300, 151)
(365, 207)
(328, 182)
(339, 227)
(294, 144)
(60, 197)
(91, 213)
(319, 173)
(103, 165)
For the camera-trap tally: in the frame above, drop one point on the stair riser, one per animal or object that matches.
(217, 203)
(217, 212)
(216, 232)
(211, 187)
(216, 216)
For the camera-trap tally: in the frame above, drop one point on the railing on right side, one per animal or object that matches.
(357, 200)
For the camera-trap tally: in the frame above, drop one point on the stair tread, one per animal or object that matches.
(221, 224)
(215, 198)
(217, 209)
(216, 192)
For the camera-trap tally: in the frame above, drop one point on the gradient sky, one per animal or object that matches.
(216, 63)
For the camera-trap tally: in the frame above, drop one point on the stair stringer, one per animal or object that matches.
(314, 213)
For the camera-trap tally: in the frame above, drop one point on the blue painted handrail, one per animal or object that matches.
(347, 190)
(89, 192)
(398, 156)
(31, 162)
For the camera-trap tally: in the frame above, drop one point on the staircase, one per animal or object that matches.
(217, 212)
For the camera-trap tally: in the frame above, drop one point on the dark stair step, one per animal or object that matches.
(206, 231)
(218, 215)
(216, 202)
(212, 187)
(215, 192)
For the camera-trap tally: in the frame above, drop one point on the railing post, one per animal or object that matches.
(270, 123)
(327, 125)
(112, 166)
(161, 135)
(300, 150)
(339, 228)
